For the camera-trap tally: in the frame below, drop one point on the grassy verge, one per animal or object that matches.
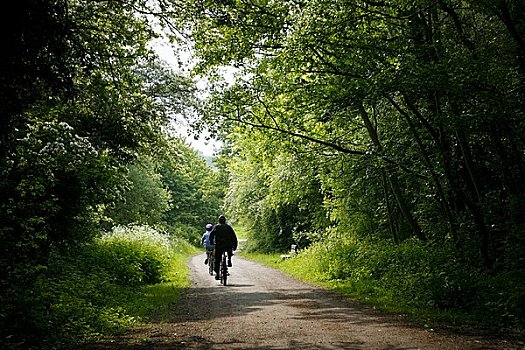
(123, 279)
(307, 269)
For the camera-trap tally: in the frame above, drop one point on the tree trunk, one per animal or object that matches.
(391, 226)
(475, 202)
(443, 202)
(392, 179)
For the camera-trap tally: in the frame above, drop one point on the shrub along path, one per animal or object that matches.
(264, 309)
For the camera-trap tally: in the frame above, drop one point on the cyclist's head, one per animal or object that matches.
(209, 227)
(222, 219)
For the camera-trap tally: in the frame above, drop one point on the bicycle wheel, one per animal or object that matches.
(224, 270)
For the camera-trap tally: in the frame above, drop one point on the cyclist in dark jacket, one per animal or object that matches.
(224, 238)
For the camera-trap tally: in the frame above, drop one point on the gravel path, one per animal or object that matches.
(262, 308)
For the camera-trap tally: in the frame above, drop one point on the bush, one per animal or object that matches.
(186, 233)
(502, 296)
(134, 255)
(413, 275)
(88, 290)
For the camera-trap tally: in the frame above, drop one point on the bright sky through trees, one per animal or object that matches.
(183, 64)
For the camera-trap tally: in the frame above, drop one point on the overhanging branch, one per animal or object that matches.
(301, 136)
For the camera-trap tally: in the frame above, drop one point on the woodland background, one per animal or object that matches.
(386, 139)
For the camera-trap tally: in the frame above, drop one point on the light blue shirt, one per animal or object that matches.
(205, 240)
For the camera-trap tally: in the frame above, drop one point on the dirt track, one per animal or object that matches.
(262, 308)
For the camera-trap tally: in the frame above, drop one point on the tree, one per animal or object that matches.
(412, 92)
(196, 193)
(75, 111)
(145, 200)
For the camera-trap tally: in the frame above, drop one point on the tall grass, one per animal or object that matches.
(122, 279)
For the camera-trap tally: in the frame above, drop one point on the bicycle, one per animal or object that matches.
(223, 268)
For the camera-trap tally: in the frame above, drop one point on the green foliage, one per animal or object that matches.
(386, 135)
(402, 121)
(83, 105)
(406, 112)
(135, 255)
(195, 189)
(73, 302)
(74, 112)
(416, 278)
(102, 287)
(187, 233)
(145, 200)
(273, 199)
(175, 189)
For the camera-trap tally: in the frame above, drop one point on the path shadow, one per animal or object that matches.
(216, 302)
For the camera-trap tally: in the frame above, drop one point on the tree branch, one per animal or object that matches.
(334, 146)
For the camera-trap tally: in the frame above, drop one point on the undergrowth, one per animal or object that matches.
(431, 286)
(122, 279)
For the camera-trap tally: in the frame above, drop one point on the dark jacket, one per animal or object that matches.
(224, 237)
